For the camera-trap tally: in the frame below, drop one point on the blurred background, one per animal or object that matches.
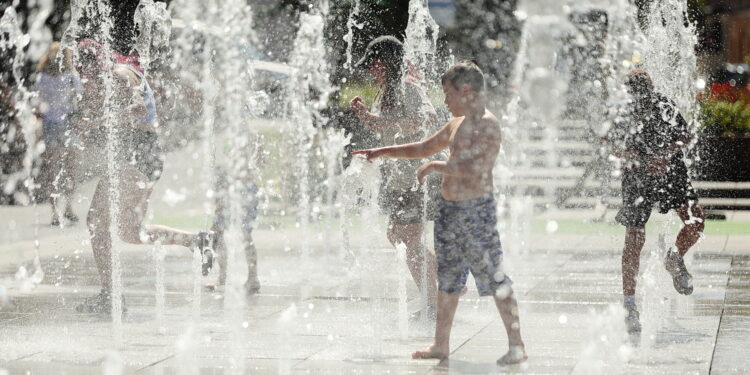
(486, 31)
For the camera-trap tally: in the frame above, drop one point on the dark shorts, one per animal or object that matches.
(640, 192)
(466, 239)
(141, 150)
(402, 206)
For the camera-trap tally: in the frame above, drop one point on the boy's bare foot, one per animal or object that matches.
(515, 355)
(431, 352)
(252, 288)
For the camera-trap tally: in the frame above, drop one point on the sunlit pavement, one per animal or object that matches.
(321, 312)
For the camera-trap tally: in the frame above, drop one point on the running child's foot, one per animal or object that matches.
(633, 325)
(55, 221)
(515, 355)
(431, 352)
(205, 244)
(681, 278)
(99, 304)
(71, 217)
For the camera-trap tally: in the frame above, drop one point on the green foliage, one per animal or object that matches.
(720, 117)
(366, 91)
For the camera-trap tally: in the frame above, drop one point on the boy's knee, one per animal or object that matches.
(697, 226)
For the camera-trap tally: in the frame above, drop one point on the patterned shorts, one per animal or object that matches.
(402, 206)
(466, 239)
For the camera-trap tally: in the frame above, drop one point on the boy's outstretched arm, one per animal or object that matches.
(416, 150)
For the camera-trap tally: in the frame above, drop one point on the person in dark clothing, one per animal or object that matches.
(402, 113)
(650, 141)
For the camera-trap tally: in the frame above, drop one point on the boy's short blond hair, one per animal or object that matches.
(464, 72)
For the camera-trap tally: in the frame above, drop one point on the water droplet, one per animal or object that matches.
(551, 226)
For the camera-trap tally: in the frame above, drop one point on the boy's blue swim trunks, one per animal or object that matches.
(466, 238)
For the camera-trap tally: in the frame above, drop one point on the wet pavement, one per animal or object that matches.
(319, 311)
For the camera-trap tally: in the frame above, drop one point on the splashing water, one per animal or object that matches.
(333, 142)
(24, 47)
(606, 351)
(351, 23)
(403, 313)
(186, 352)
(155, 27)
(308, 90)
(419, 63)
(112, 364)
(421, 39)
(669, 53)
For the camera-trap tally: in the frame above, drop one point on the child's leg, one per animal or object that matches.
(252, 285)
(635, 238)
(692, 217)
(446, 310)
(221, 252)
(485, 255)
(411, 236)
(508, 309)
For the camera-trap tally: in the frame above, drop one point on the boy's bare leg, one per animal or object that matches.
(508, 309)
(690, 233)
(133, 204)
(635, 237)
(446, 310)
(411, 236)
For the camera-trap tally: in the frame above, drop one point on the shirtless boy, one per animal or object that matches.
(466, 236)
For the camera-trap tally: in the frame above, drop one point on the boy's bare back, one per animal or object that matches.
(474, 145)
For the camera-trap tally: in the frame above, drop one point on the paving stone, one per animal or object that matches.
(322, 313)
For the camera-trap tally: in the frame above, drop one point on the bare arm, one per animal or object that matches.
(417, 150)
